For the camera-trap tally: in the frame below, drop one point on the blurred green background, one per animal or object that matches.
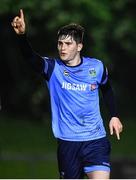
(27, 146)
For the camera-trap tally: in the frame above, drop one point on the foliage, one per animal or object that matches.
(110, 36)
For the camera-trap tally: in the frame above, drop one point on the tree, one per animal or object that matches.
(110, 36)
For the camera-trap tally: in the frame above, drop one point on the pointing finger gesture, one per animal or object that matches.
(18, 23)
(115, 126)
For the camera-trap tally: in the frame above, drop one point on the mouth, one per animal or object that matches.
(62, 54)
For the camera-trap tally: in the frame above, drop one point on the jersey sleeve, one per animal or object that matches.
(30, 56)
(102, 76)
(41, 65)
(107, 91)
(109, 99)
(49, 66)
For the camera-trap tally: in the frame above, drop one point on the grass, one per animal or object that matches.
(28, 169)
(125, 147)
(26, 136)
(28, 148)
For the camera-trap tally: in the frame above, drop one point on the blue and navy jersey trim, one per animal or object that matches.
(49, 67)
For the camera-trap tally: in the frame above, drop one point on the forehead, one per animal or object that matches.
(66, 38)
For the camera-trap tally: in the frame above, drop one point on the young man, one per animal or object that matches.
(73, 83)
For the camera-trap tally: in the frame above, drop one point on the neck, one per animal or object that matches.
(73, 62)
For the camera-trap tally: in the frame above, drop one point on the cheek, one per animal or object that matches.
(73, 53)
(73, 49)
(58, 47)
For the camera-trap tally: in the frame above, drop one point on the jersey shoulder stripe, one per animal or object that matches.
(49, 67)
(97, 66)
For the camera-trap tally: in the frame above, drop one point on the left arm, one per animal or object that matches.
(115, 124)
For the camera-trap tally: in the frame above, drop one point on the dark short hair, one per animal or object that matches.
(76, 31)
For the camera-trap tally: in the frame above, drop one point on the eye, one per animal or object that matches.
(59, 43)
(68, 43)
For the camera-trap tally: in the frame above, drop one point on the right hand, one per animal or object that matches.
(18, 23)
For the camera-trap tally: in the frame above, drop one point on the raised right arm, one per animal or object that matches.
(31, 56)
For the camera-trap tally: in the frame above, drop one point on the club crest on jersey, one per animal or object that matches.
(66, 73)
(92, 72)
(93, 87)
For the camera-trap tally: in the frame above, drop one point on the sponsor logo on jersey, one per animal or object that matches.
(66, 73)
(93, 87)
(74, 86)
(92, 72)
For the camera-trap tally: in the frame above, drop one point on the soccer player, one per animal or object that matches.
(73, 82)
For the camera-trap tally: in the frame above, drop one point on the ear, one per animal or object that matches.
(80, 46)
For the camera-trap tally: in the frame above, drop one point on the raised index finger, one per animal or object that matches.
(21, 14)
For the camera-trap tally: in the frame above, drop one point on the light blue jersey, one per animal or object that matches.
(75, 99)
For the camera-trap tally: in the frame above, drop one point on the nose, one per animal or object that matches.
(63, 47)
